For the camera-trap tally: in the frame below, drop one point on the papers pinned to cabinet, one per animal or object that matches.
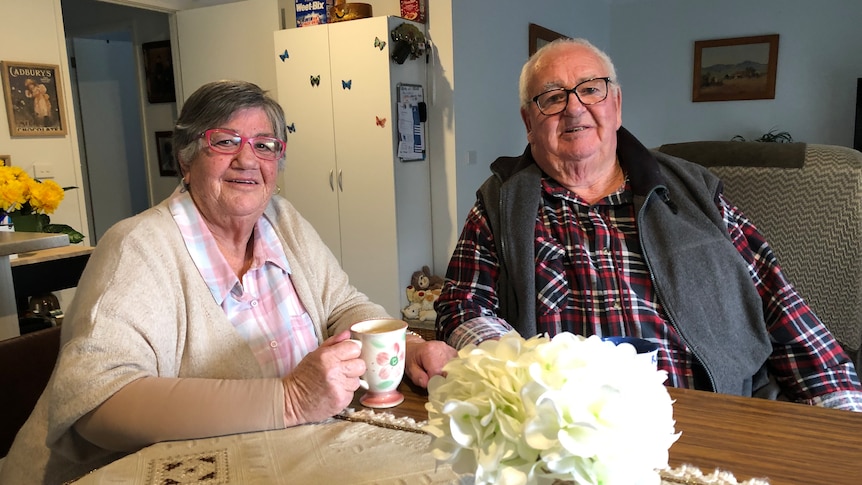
(411, 122)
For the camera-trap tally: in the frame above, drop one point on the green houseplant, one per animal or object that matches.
(769, 137)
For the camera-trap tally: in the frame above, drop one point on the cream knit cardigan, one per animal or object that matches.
(142, 309)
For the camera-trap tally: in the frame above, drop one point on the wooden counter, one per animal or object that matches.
(13, 243)
(53, 254)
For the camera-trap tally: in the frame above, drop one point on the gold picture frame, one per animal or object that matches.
(540, 36)
(34, 99)
(739, 68)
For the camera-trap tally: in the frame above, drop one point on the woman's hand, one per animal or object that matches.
(426, 359)
(324, 381)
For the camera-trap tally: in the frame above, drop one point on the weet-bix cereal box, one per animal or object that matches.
(312, 12)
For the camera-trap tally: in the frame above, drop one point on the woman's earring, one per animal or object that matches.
(277, 189)
(185, 185)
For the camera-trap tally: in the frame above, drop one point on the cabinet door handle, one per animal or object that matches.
(331, 181)
(340, 185)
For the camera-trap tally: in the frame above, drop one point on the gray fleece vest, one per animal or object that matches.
(700, 278)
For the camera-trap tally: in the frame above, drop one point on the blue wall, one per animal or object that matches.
(819, 60)
(491, 46)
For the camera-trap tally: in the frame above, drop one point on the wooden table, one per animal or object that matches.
(787, 443)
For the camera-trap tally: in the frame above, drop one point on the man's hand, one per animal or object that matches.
(324, 381)
(426, 359)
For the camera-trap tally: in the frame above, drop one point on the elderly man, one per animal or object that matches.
(591, 233)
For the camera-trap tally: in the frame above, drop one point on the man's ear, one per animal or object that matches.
(525, 117)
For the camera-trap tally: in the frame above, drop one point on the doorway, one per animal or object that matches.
(117, 123)
(105, 96)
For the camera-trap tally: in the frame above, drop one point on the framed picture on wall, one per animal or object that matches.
(739, 68)
(540, 36)
(159, 72)
(165, 149)
(34, 99)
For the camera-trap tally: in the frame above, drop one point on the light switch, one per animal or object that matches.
(471, 157)
(43, 171)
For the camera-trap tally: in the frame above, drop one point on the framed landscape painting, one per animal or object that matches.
(34, 99)
(739, 68)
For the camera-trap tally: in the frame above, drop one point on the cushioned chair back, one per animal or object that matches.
(807, 200)
(26, 364)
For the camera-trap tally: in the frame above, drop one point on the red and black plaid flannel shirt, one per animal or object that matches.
(607, 291)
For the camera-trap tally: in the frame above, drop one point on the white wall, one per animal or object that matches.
(36, 35)
(819, 59)
(232, 41)
(33, 32)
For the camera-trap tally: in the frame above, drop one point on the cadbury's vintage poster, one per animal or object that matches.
(34, 99)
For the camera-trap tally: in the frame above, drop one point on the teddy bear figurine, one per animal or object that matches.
(411, 311)
(421, 304)
(424, 280)
(426, 308)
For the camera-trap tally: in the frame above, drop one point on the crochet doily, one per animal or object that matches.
(690, 474)
(383, 419)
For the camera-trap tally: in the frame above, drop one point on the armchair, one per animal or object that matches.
(807, 200)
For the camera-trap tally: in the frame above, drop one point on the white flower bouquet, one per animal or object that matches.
(541, 410)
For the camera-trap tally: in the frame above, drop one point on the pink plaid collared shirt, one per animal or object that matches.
(264, 307)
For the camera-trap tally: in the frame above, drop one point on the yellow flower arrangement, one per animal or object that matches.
(20, 192)
(21, 195)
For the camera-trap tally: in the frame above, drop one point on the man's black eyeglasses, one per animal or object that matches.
(588, 92)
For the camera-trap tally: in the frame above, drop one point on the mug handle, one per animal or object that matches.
(362, 382)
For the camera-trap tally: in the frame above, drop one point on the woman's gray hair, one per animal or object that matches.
(548, 49)
(214, 104)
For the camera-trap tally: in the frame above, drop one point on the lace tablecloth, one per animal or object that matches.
(358, 448)
(336, 451)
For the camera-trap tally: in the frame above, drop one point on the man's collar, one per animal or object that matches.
(638, 163)
(636, 160)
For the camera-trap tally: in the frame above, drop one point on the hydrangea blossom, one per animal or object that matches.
(575, 409)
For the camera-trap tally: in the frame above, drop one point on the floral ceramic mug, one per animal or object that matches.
(383, 349)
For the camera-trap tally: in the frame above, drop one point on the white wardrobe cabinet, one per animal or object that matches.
(339, 90)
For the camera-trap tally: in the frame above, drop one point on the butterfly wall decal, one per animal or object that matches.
(381, 122)
(291, 128)
(346, 84)
(284, 56)
(315, 80)
(380, 44)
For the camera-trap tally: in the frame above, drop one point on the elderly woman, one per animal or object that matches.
(218, 311)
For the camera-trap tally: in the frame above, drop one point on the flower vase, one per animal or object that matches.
(26, 222)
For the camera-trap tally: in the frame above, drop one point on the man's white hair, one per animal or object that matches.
(548, 49)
